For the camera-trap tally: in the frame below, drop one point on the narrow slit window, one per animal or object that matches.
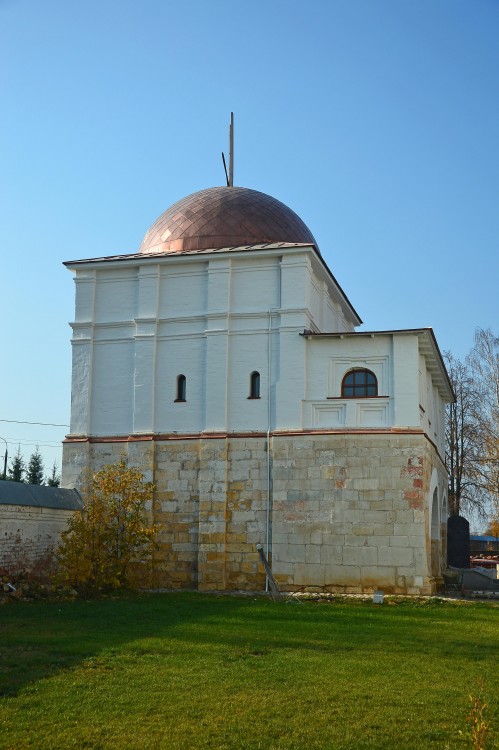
(359, 383)
(254, 385)
(181, 388)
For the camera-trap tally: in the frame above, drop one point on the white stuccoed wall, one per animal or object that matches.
(141, 323)
(395, 359)
(432, 406)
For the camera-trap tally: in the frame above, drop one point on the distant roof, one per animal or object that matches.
(38, 496)
(224, 217)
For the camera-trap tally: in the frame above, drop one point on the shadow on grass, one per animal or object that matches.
(39, 639)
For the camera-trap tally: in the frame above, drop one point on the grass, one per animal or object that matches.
(184, 671)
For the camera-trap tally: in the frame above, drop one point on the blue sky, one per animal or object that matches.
(377, 121)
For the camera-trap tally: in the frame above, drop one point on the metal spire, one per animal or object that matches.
(229, 176)
(231, 150)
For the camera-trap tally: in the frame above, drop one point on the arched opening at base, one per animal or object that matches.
(435, 537)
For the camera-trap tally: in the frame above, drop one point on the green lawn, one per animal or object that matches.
(192, 671)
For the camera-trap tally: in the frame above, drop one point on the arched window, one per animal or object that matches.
(359, 383)
(181, 388)
(254, 385)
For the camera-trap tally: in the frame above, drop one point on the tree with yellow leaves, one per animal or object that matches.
(109, 544)
(493, 528)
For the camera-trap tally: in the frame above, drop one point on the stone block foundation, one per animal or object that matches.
(343, 512)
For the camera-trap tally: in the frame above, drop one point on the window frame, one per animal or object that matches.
(181, 389)
(255, 382)
(359, 386)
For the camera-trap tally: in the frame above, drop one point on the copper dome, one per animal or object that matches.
(224, 217)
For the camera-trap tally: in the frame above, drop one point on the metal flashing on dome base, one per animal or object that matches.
(215, 250)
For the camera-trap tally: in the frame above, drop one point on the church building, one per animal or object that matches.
(223, 359)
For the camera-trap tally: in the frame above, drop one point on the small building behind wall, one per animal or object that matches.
(32, 518)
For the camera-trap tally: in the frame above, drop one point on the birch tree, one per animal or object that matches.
(484, 363)
(472, 429)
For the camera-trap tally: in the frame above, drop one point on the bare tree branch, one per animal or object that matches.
(472, 431)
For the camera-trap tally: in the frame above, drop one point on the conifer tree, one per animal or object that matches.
(54, 480)
(17, 467)
(34, 473)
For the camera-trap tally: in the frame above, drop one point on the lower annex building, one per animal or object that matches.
(223, 359)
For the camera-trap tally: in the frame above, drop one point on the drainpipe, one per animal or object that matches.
(227, 421)
(269, 421)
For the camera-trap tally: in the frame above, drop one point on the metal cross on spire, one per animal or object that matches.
(231, 150)
(230, 176)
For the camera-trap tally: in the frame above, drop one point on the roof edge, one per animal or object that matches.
(154, 257)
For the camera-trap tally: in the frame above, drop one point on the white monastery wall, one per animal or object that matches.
(182, 292)
(329, 359)
(179, 356)
(326, 308)
(112, 380)
(255, 285)
(209, 321)
(391, 358)
(315, 303)
(116, 295)
(405, 380)
(137, 328)
(431, 406)
(84, 295)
